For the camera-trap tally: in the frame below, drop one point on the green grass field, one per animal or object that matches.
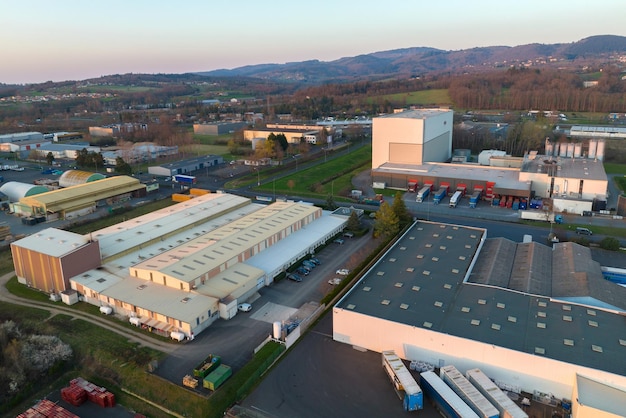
(613, 168)
(330, 178)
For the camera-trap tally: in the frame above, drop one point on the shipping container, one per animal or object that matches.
(456, 197)
(207, 366)
(445, 400)
(177, 197)
(499, 399)
(466, 391)
(404, 384)
(184, 179)
(422, 194)
(217, 377)
(439, 195)
(474, 199)
(198, 192)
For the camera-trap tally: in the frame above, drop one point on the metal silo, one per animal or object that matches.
(592, 148)
(578, 150)
(600, 150)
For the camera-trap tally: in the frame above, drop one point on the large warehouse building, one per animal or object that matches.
(532, 318)
(88, 192)
(414, 147)
(182, 267)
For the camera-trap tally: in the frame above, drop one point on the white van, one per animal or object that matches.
(583, 231)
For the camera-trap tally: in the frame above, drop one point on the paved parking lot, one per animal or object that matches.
(235, 340)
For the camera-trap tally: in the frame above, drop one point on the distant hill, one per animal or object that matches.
(421, 60)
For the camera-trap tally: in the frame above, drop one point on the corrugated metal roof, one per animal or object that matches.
(173, 303)
(189, 260)
(234, 282)
(82, 195)
(202, 210)
(74, 177)
(15, 191)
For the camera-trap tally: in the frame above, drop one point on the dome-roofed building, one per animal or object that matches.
(16, 190)
(76, 177)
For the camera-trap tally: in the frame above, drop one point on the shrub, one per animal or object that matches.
(610, 243)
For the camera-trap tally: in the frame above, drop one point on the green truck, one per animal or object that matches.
(207, 366)
(215, 379)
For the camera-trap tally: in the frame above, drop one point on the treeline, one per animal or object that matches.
(522, 89)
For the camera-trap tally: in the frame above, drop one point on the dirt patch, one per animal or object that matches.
(363, 182)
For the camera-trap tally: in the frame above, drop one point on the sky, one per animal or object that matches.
(59, 40)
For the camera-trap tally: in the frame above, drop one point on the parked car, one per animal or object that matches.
(583, 231)
(348, 234)
(338, 241)
(343, 272)
(315, 260)
(294, 277)
(244, 307)
(303, 271)
(335, 281)
(309, 264)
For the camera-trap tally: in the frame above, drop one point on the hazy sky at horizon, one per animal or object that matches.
(58, 40)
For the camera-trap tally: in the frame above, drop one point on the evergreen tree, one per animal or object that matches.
(330, 203)
(387, 223)
(353, 223)
(122, 167)
(399, 208)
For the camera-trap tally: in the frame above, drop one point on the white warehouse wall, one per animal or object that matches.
(420, 129)
(526, 371)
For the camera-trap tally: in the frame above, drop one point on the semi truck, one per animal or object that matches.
(412, 186)
(466, 391)
(456, 197)
(539, 215)
(499, 399)
(439, 195)
(422, 194)
(403, 382)
(474, 198)
(185, 179)
(444, 398)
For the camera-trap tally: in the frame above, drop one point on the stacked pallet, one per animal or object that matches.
(48, 409)
(95, 394)
(74, 395)
(5, 231)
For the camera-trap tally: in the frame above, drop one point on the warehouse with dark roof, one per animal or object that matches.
(530, 317)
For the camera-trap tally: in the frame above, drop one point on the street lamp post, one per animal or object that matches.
(258, 177)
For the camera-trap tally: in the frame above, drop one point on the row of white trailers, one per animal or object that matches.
(452, 393)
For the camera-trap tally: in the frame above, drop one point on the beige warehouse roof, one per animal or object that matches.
(188, 261)
(123, 237)
(82, 195)
(53, 242)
